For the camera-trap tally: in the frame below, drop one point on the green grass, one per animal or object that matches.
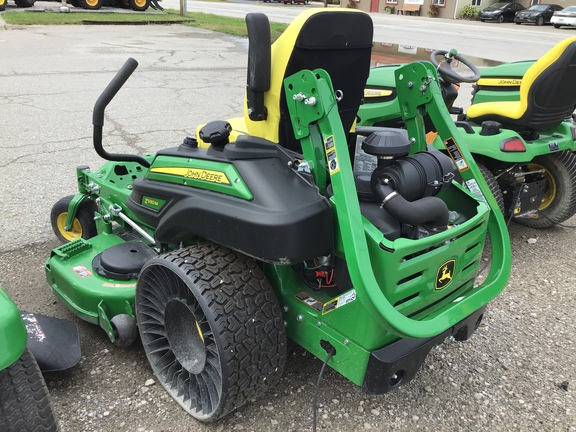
(230, 26)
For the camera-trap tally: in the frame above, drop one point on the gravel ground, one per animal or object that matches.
(516, 373)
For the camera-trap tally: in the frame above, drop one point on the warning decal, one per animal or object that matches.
(455, 154)
(342, 300)
(329, 306)
(331, 156)
(473, 187)
(313, 303)
(81, 271)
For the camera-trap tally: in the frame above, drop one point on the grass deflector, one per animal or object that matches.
(287, 222)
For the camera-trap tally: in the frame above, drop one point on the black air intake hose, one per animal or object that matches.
(429, 211)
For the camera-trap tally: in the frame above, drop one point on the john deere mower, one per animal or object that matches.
(360, 245)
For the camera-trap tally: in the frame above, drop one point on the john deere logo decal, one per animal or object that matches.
(445, 274)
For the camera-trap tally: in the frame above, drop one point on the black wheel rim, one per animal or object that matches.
(185, 358)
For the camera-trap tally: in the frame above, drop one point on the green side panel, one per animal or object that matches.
(484, 95)
(13, 336)
(311, 318)
(70, 275)
(514, 69)
(504, 82)
(203, 174)
(380, 101)
(559, 138)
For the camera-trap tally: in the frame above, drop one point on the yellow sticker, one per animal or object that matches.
(195, 173)
(505, 82)
(376, 93)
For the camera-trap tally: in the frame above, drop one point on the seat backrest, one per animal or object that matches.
(548, 89)
(338, 41)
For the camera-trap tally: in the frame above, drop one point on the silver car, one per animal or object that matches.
(565, 17)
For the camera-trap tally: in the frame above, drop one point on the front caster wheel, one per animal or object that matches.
(559, 200)
(83, 224)
(211, 327)
(125, 330)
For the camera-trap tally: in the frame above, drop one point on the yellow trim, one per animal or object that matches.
(209, 176)
(500, 82)
(515, 110)
(550, 194)
(376, 93)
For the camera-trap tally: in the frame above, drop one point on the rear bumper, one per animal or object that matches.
(397, 364)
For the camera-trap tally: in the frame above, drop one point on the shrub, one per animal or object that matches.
(470, 12)
(434, 10)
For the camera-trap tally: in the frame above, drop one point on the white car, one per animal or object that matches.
(565, 17)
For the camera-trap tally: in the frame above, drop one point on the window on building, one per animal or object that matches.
(476, 2)
(441, 3)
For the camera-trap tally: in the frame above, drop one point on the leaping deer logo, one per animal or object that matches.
(445, 274)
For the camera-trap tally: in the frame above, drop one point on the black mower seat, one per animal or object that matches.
(547, 94)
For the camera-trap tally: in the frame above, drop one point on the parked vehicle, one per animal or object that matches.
(221, 252)
(538, 14)
(500, 12)
(24, 399)
(136, 5)
(565, 17)
(19, 3)
(524, 144)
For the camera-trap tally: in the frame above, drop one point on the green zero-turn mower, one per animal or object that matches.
(279, 225)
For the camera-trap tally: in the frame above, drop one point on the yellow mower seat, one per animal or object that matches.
(547, 94)
(338, 41)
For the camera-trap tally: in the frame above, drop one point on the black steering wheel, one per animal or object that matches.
(446, 71)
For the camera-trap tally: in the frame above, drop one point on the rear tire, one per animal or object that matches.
(24, 399)
(540, 21)
(211, 327)
(559, 202)
(24, 3)
(91, 4)
(139, 5)
(83, 225)
(494, 186)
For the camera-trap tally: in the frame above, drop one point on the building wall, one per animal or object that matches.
(450, 10)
